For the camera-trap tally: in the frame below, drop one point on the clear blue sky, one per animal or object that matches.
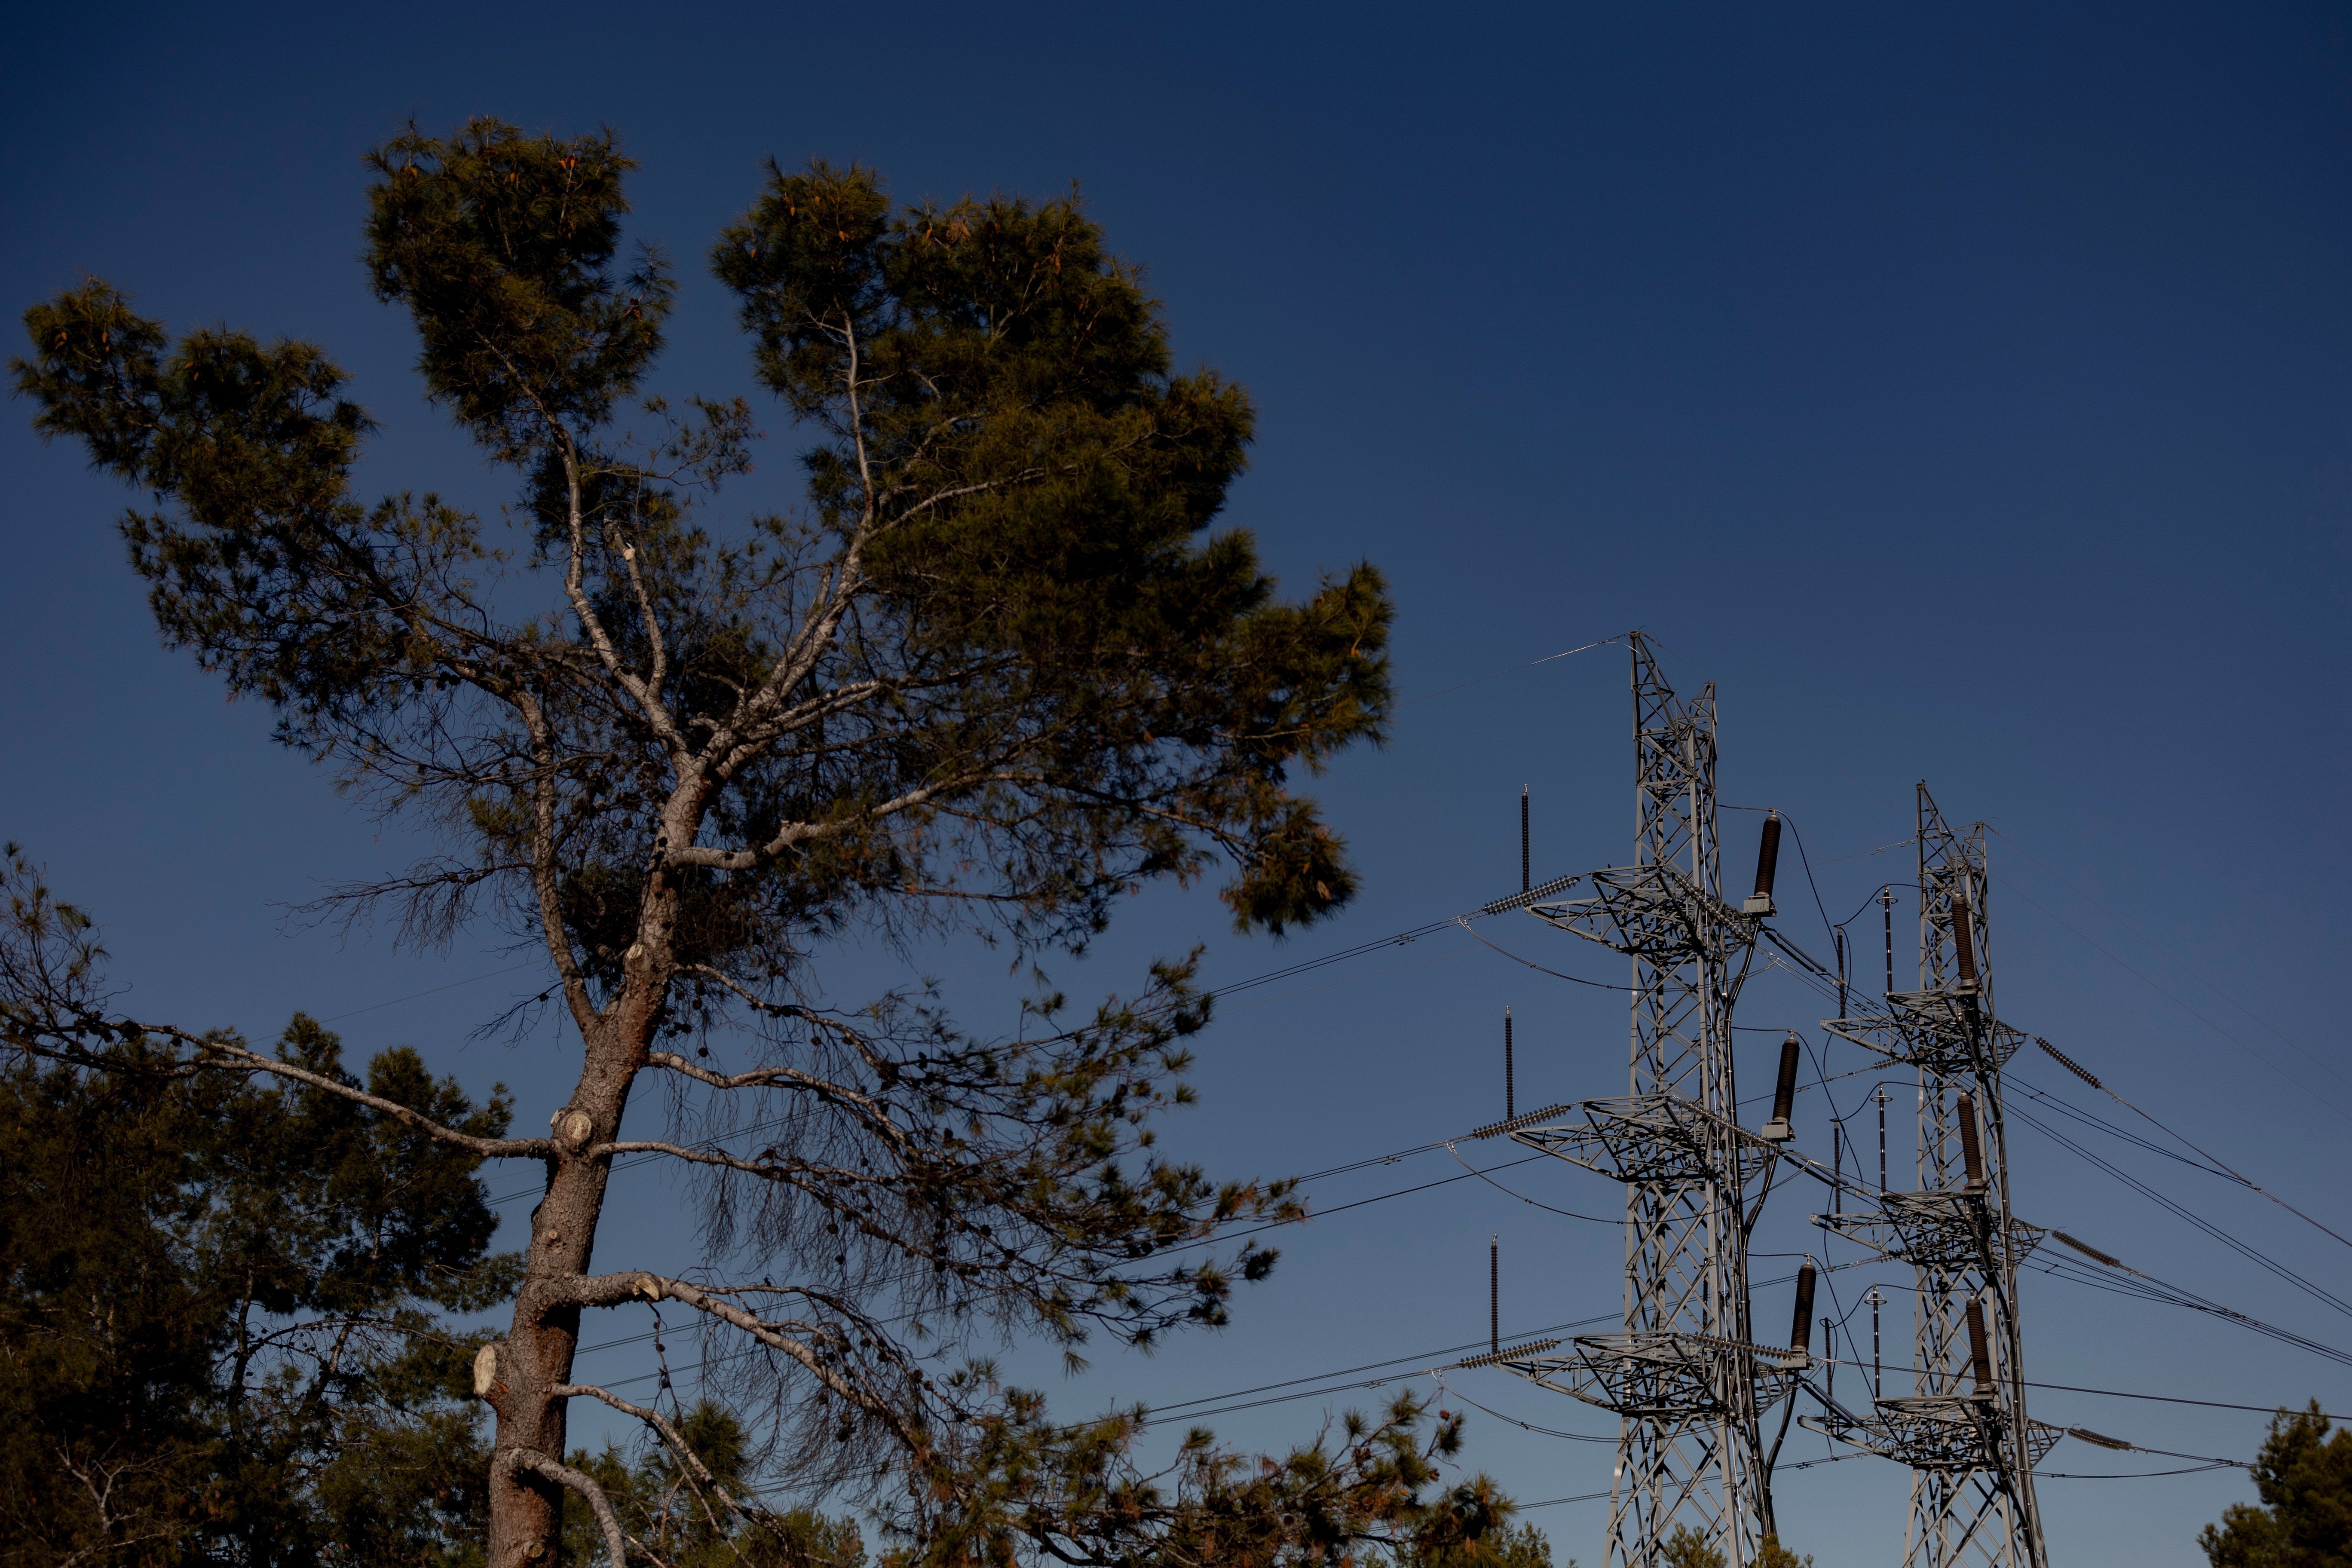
(1968, 396)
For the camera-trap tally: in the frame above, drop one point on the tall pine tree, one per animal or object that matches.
(997, 672)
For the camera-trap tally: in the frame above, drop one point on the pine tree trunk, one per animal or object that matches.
(526, 1509)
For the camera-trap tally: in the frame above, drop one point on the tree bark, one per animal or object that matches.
(526, 1505)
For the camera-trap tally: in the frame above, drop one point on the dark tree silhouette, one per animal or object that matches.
(996, 674)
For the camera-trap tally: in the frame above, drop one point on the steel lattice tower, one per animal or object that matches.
(1684, 1377)
(1963, 1430)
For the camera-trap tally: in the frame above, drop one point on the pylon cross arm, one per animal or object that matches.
(1658, 1138)
(1942, 1432)
(1938, 1030)
(1652, 911)
(1663, 1373)
(1940, 1229)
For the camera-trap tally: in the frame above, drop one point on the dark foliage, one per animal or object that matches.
(703, 1515)
(994, 675)
(2304, 1477)
(219, 1335)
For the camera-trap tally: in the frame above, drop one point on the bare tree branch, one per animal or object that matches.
(240, 1057)
(614, 1289)
(617, 1541)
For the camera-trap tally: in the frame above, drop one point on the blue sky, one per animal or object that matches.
(1966, 394)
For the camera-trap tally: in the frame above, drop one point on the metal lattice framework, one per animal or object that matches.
(1963, 1430)
(1685, 1375)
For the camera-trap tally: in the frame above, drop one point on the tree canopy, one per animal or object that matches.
(994, 672)
(224, 1307)
(2304, 1477)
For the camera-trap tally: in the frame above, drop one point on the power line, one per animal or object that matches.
(1169, 1413)
(1809, 972)
(2168, 956)
(2248, 1252)
(1812, 973)
(2147, 1287)
(1421, 1357)
(435, 991)
(1405, 702)
(1569, 1213)
(1556, 974)
(2137, 1475)
(2214, 1163)
(2124, 1393)
(2076, 1113)
(2135, 971)
(1223, 1237)
(1481, 681)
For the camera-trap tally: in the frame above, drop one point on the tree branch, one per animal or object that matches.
(545, 884)
(616, 1539)
(254, 1061)
(805, 832)
(654, 1419)
(614, 1289)
(575, 576)
(657, 665)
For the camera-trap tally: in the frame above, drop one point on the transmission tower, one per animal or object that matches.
(1963, 1429)
(1684, 1377)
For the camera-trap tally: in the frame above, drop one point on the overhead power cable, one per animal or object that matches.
(2283, 1038)
(2146, 1288)
(1422, 1359)
(1811, 973)
(1270, 977)
(2124, 1393)
(1861, 854)
(1556, 1502)
(1481, 681)
(1223, 1237)
(2133, 1475)
(2214, 1162)
(2137, 973)
(2050, 1102)
(1191, 1411)
(1403, 702)
(1454, 1392)
(2150, 1286)
(1556, 974)
(2250, 1254)
(1482, 1176)
(435, 991)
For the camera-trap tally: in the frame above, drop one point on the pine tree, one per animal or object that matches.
(2304, 1477)
(224, 1304)
(1507, 1546)
(1689, 1548)
(676, 1509)
(994, 675)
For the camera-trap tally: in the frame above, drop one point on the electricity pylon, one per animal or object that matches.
(1963, 1429)
(1684, 1377)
